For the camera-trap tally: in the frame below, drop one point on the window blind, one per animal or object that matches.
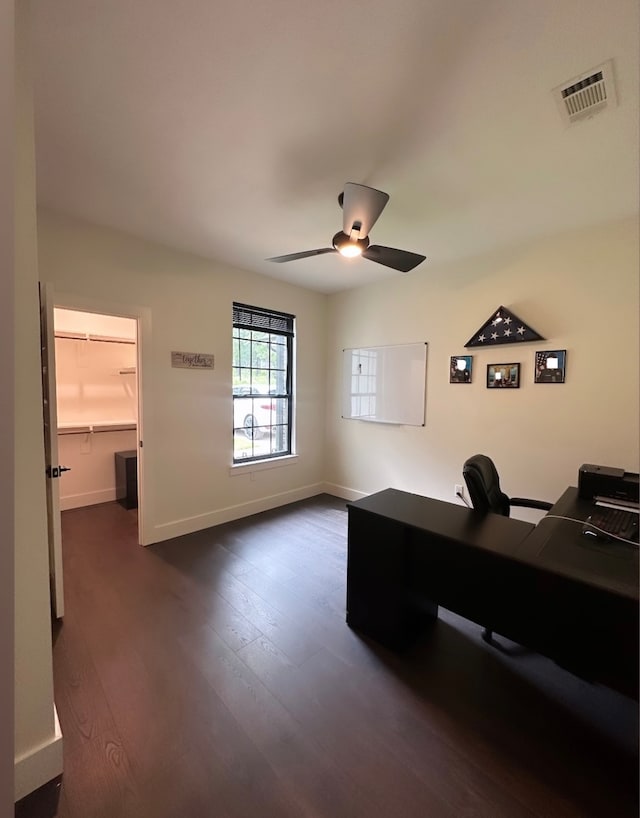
(257, 318)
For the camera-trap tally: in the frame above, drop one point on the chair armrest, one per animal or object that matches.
(525, 503)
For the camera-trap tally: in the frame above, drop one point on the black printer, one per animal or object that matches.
(608, 483)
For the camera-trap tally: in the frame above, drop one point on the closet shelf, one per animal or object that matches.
(92, 428)
(89, 336)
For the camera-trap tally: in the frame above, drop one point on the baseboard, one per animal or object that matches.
(177, 528)
(88, 498)
(37, 767)
(343, 492)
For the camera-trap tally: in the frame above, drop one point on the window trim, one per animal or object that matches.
(241, 467)
(273, 322)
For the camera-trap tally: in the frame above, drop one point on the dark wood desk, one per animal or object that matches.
(547, 586)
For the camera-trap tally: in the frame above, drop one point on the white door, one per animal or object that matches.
(53, 468)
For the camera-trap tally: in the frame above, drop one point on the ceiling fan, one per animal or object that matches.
(361, 207)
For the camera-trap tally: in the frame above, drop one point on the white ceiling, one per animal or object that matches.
(229, 128)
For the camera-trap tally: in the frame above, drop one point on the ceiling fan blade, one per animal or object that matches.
(361, 204)
(305, 254)
(401, 260)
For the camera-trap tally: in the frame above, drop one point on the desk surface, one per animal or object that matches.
(491, 532)
(556, 546)
(560, 547)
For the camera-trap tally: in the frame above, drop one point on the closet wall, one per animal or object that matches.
(96, 401)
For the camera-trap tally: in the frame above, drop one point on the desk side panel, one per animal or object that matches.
(377, 579)
(587, 630)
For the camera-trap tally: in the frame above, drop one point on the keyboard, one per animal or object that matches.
(612, 521)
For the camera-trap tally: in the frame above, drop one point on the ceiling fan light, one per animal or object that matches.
(348, 247)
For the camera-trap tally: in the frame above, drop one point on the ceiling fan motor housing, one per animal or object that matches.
(341, 240)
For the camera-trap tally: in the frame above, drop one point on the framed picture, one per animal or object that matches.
(460, 369)
(503, 376)
(550, 366)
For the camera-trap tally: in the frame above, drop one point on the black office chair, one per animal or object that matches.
(483, 484)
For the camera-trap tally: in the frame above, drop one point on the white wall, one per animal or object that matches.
(187, 415)
(90, 385)
(90, 457)
(38, 750)
(579, 291)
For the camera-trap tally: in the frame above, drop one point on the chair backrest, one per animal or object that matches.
(483, 484)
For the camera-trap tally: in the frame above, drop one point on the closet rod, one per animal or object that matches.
(87, 336)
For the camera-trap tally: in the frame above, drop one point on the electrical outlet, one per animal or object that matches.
(458, 490)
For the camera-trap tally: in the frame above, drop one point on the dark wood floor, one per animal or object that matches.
(214, 676)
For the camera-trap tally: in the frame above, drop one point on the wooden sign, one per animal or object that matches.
(191, 360)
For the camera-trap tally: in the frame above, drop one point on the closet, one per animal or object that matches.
(97, 402)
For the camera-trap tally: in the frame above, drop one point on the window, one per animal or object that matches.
(262, 383)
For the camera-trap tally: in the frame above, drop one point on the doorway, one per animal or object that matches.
(90, 409)
(96, 376)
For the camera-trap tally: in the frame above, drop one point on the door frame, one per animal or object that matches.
(50, 441)
(142, 315)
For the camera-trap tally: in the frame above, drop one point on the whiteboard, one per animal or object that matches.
(385, 384)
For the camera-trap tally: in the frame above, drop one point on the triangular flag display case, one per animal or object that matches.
(503, 327)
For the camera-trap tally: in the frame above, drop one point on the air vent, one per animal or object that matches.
(587, 94)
